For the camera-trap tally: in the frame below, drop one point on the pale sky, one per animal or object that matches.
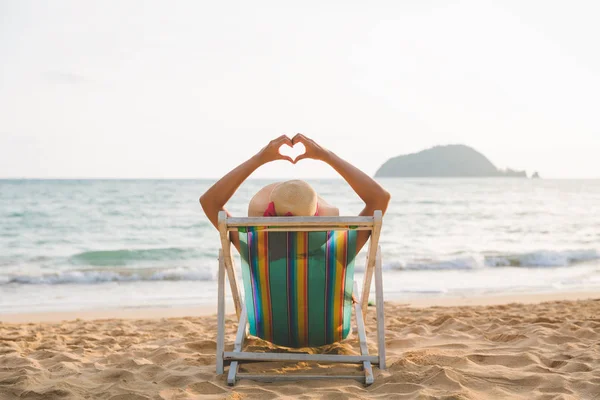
(190, 89)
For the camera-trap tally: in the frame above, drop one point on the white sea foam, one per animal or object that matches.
(544, 258)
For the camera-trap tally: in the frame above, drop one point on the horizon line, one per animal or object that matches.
(286, 178)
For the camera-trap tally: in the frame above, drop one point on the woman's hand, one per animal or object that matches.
(215, 198)
(374, 196)
(313, 150)
(271, 151)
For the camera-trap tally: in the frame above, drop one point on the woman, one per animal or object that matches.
(293, 197)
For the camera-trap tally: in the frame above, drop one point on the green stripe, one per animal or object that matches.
(278, 286)
(330, 266)
(292, 254)
(316, 288)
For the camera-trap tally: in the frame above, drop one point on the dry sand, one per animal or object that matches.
(548, 350)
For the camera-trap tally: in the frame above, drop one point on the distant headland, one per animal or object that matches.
(455, 160)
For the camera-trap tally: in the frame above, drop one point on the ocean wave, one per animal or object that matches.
(544, 258)
(535, 259)
(130, 256)
(102, 276)
(129, 273)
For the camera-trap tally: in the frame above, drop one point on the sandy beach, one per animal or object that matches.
(500, 348)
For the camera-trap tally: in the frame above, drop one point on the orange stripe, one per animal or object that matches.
(338, 300)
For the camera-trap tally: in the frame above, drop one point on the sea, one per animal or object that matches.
(69, 245)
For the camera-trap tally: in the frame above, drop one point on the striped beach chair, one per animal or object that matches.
(299, 291)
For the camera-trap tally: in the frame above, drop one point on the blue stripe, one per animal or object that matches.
(246, 276)
(253, 239)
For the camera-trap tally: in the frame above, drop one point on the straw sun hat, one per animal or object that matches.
(294, 197)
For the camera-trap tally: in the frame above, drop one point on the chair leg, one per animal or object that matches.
(362, 338)
(221, 314)
(380, 310)
(239, 343)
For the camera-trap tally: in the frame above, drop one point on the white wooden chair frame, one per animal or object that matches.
(373, 264)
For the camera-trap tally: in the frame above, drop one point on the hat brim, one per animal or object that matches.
(260, 201)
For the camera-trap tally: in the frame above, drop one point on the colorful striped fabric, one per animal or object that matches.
(298, 285)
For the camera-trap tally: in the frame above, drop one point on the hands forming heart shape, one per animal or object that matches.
(292, 150)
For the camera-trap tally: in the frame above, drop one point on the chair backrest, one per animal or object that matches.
(298, 285)
(298, 274)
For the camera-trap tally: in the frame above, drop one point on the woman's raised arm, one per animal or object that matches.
(374, 196)
(215, 198)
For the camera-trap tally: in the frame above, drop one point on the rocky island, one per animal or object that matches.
(455, 160)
